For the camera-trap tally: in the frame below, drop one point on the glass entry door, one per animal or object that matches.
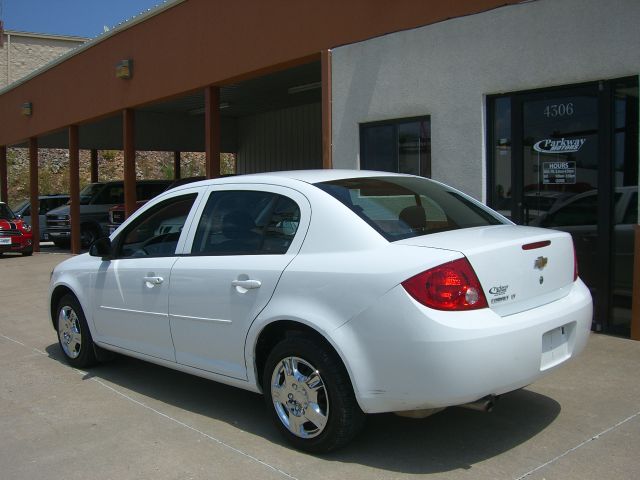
(560, 152)
(567, 158)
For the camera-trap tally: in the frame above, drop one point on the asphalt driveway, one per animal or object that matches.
(127, 419)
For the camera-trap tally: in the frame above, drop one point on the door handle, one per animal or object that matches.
(248, 284)
(153, 280)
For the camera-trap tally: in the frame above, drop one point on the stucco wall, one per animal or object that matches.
(20, 55)
(446, 70)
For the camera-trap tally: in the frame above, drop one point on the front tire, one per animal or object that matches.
(309, 395)
(74, 336)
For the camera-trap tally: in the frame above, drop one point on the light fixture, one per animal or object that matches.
(27, 109)
(124, 69)
(304, 88)
(200, 110)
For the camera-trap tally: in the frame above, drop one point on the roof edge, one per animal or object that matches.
(53, 36)
(125, 25)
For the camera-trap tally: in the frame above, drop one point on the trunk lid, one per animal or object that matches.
(513, 278)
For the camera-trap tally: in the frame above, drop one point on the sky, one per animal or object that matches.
(82, 18)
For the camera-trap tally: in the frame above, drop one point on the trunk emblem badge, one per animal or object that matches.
(540, 263)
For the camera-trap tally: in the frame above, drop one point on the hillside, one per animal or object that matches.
(54, 168)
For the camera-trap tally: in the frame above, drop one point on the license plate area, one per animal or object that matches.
(5, 241)
(555, 346)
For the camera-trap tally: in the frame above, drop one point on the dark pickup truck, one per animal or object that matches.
(95, 201)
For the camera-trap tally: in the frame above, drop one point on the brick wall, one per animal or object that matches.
(23, 53)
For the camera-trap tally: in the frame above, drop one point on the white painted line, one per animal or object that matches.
(168, 417)
(595, 437)
(13, 340)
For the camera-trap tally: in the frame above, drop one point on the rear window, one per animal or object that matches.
(406, 207)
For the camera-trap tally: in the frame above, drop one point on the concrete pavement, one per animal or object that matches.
(127, 419)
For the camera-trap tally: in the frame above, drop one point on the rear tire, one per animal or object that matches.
(74, 336)
(309, 395)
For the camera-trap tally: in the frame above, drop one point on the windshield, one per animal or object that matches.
(6, 213)
(406, 207)
(90, 191)
(21, 206)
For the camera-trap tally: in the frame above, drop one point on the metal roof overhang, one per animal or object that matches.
(186, 45)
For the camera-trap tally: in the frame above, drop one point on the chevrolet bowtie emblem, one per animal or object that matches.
(540, 263)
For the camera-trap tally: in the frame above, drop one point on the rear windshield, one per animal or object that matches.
(406, 207)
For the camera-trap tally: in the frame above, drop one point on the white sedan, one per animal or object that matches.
(335, 293)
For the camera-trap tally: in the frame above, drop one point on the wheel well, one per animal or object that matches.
(277, 331)
(56, 296)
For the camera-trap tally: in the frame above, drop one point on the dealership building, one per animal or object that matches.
(531, 107)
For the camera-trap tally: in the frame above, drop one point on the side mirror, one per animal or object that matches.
(101, 248)
(18, 216)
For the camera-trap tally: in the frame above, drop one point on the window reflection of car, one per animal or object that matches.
(579, 217)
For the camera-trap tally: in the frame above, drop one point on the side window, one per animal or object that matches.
(631, 215)
(246, 223)
(402, 146)
(146, 191)
(111, 194)
(157, 231)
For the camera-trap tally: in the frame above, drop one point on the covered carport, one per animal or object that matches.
(249, 77)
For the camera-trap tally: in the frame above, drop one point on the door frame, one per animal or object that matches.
(606, 188)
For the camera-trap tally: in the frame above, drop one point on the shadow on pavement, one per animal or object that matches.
(453, 439)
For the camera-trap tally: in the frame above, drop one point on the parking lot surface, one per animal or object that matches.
(127, 419)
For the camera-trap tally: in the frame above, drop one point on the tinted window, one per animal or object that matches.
(6, 213)
(631, 215)
(146, 191)
(156, 232)
(246, 223)
(111, 194)
(399, 146)
(399, 208)
(90, 191)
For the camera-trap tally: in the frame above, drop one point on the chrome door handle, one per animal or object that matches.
(248, 284)
(154, 280)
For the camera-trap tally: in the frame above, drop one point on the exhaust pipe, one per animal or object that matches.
(485, 404)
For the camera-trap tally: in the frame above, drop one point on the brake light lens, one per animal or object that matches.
(452, 286)
(575, 264)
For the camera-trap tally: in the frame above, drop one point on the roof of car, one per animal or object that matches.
(306, 176)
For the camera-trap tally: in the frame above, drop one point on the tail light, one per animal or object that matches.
(450, 286)
(575, 264)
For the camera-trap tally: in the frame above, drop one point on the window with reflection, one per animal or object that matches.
(399, 146)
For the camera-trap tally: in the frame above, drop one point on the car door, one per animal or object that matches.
(245, 238)
(132, 288)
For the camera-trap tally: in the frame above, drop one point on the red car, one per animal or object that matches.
(15, 235)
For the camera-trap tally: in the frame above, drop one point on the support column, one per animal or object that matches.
(327, 99)
(128, 119)
(4, 190)
(212, 131)
(94, 165)
(176, 165)
(33, 190)
(74, 188)
(635, 298)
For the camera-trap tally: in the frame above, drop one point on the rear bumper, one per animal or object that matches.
(403, 356)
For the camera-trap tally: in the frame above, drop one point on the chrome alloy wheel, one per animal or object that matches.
(300, 397)
(69, 332)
